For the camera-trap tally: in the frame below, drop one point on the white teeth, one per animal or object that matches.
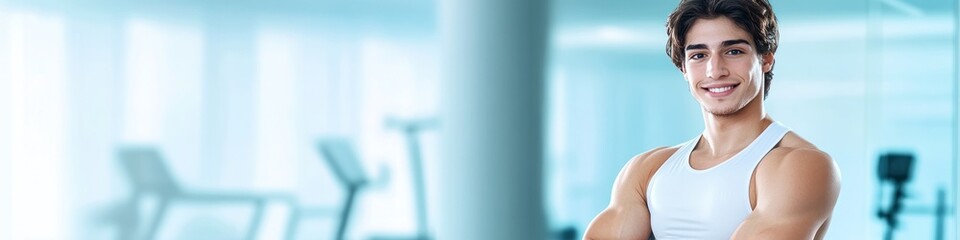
(720, 89)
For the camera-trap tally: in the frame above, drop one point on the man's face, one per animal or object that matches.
(722, 66)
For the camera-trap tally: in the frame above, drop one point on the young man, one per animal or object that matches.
(746, 176)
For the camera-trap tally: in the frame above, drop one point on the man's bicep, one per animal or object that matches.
(806, 185)
(627, 216)
(621, 222)
(794, 198)
(771, 225)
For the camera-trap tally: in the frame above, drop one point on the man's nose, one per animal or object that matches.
(716, 68)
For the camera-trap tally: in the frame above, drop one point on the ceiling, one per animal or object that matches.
(627, 21)
(578, 12)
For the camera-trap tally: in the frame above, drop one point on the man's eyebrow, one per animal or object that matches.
(734, 42)
(724, 44)
(695, 46)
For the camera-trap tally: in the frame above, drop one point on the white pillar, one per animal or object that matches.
(490, 171)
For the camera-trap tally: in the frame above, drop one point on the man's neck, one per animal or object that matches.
(728, 134)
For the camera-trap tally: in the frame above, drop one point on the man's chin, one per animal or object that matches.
(723, 111)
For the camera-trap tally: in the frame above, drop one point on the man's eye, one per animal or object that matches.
(735, 52)
(696, 56)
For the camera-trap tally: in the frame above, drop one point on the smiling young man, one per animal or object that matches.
(746, 176)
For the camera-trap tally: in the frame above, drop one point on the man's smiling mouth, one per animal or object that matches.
(720, 89)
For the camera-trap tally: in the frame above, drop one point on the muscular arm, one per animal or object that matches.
(626, 217)
(795, 197)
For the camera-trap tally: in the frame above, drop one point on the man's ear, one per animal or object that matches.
(768, 60)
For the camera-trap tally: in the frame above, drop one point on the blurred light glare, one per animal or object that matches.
(38, 107)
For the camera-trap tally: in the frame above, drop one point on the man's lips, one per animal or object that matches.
(720, 89)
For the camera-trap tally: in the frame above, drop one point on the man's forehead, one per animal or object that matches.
(716, 32)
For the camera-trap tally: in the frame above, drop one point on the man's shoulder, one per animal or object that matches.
(793, 147)
(793, 141)
(658, 154)
(795, 175)
(646, 163)
(796, 154)
(638, 171)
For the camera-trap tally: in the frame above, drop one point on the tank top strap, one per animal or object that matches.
(767, 141)
(683, 151)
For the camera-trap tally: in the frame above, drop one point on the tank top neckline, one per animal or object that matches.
(770, 129)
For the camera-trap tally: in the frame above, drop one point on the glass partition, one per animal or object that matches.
(912, 112)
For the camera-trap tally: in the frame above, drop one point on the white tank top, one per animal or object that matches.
(686, 203)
